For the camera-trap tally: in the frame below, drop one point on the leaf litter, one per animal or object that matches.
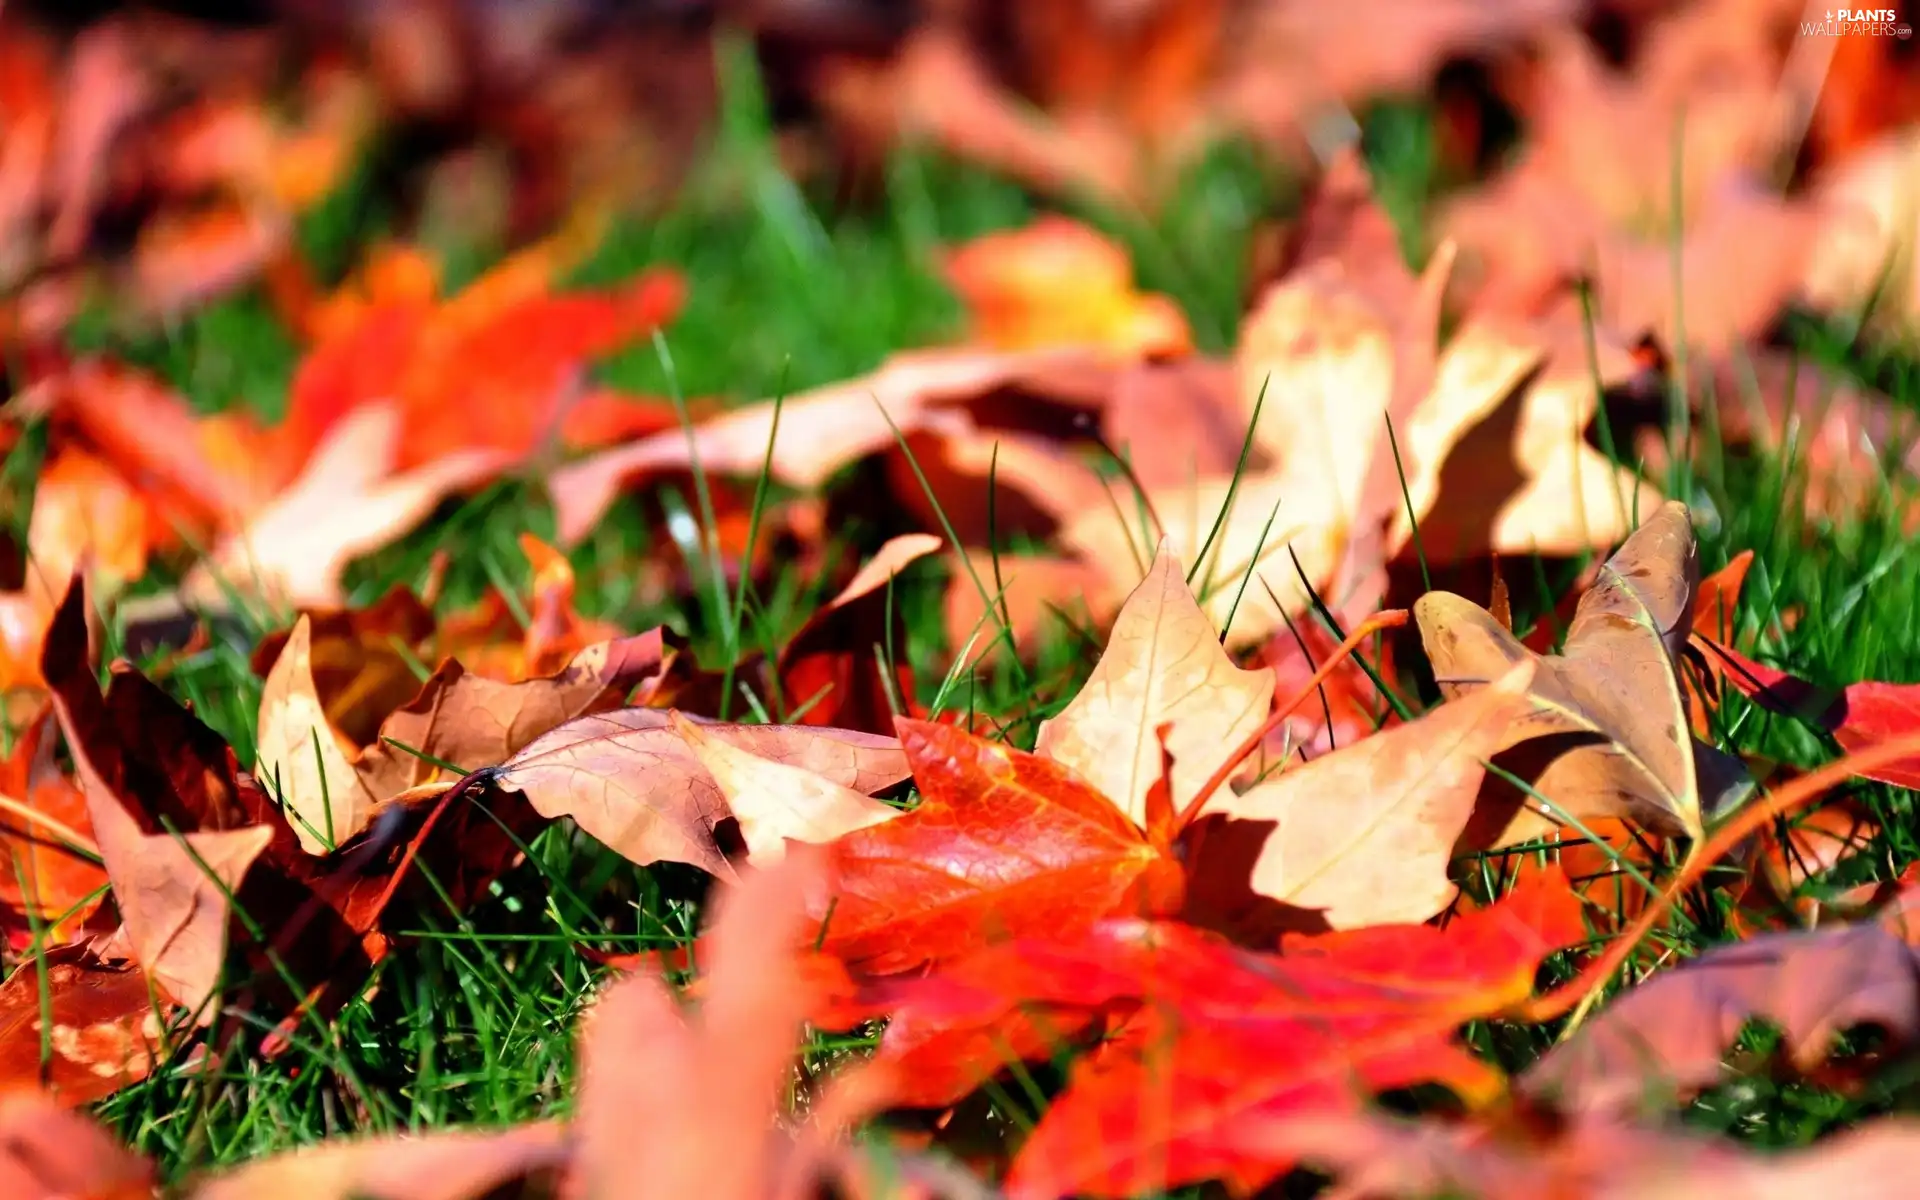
(1181, 861)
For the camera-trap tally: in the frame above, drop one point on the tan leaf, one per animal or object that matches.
(457, 717)
(695, 1098)
(1163, 665)
(1264, 523)
(1361, 836)
(48, 1153)
(1613, 695)
(344, 504)
(774, 801)
(627, 778)
(316, 769)
(172, 893)
(818, 431)
(445, 1165)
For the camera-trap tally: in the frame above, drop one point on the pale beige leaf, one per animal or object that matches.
(458, 1164)
(774, 801)
(1163, 665)
(1362, 836)
(343, 505)
(1269, 522)
(630, 781)
(818, 431)
(673, 1105)
(299, 750)
(1616, 685)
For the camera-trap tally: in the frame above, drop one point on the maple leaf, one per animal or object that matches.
(165, 785)
(1609, 708)
(833, 665)
(1035, 594)
(346, 502)
(630, 780)
(336, 788)
(1375, 1155)
(1668, 1036)
(1003, 844)
(1056, 282)
(1866, 255)
(1163, 666)
(775, 801)
(1209, 1038)
(1858, 715)
(1376, 855)
(819, 431)
(450, 1163)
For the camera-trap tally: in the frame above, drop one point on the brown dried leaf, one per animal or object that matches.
(105, 1030)
(1608, 728)
(464, 719)
(1163, 665)
(775, 802)
(1669, 1035)
(1361, 836)
(627, 778)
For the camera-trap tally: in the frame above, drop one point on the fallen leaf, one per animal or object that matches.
(1057, 282)
(444, 1164)
(820, 431)
(1668, 1036)
(47, 877)
(1004, 844)
(775, 802)
(1867, 249)
(1858, 715)
(155, 767)
(1175, 422)
(1039, 596)
(344, 504)
(1219, 1038)
(1163, 666)
(107, 1027)
(53, 1154)
(337, 788)
(1358, 837)
(628, 779)
(1371, 1155)
(844, 664)
(84, 512)
(1345, 707)
(1608, 716)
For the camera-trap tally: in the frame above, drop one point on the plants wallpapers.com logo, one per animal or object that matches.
(1858, 22)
